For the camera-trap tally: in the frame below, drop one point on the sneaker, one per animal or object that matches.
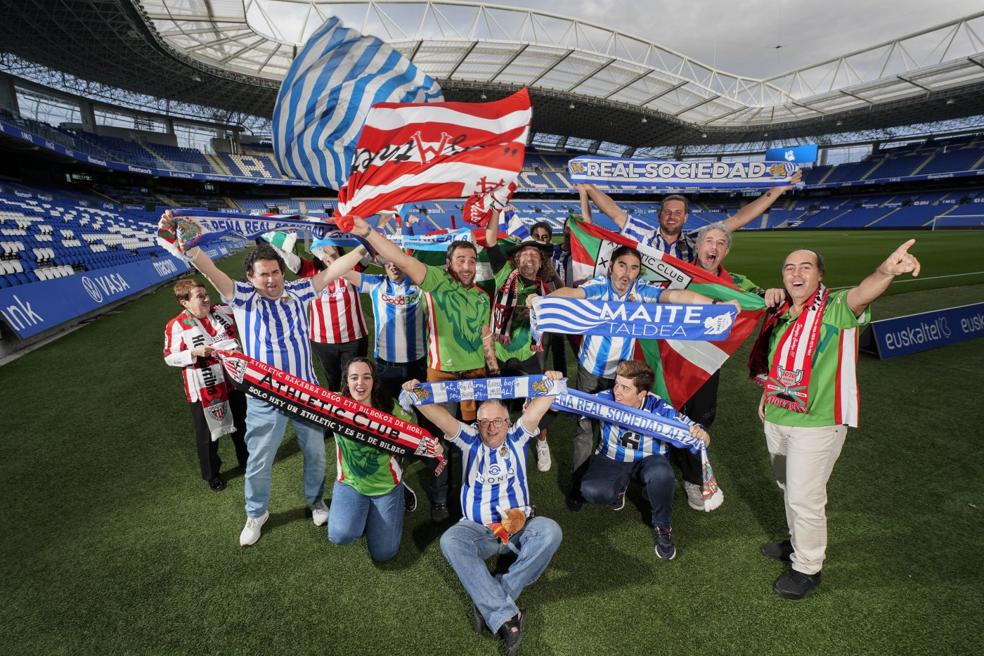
(251, 532)
(511, 633)
(782, 551)
(319, 513)
(439, 512)
(542, 455)
(216, 484)
(795, 585)
(664, 543)
(695, 495)
(409, 498)
(619, 502)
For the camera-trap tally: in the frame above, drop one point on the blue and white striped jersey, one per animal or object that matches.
(601, 355)
(624, 444)
(493, 480)
(400, 318)
(276, 332)
(684, 248)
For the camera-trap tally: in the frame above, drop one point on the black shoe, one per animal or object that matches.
(795, 585)
(512, 633)
(781, 551)
(217, 484)
(409, 498)
(574, 502)
(439, 512)
(664, 543)
(619, 502)
(478, 622)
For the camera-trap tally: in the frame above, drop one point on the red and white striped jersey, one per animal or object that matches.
(336, 314)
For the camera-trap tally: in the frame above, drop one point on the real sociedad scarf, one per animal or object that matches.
(340, 414)
(482, 389)
(788, 382)
(209, 376)
(574, 316)
(436, 242)
(680, 175)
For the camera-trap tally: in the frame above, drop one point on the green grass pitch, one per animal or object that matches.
(112, 545)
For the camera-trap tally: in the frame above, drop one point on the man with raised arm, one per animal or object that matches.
(669, 237)
(808, 348)
(273, 321)
(458, 337)
(600, 355)
(498, 513)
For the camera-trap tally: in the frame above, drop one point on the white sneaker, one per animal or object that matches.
(695, 495)
(319, 513)
(251, 532)
(542, 455)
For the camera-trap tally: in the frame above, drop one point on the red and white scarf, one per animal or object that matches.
(208, 374)
(788, 383)
(504, 309)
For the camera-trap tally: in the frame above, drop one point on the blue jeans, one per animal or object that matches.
(605, 478)
(265, 426)
(467, 545)
(380, 518)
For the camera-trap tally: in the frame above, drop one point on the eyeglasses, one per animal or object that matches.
(491, 423)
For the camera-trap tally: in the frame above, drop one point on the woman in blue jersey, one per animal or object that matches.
(368, 493)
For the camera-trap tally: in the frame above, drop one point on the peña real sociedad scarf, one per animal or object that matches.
(316, 405)
(482, 389)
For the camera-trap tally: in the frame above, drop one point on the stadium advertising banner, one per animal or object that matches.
(39, 306)
(23, 135)
(927, 330)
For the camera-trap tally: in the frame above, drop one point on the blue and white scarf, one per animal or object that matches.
(668, 430)
(680, 175)
(439, 242)
(574, 316)
(482, 389)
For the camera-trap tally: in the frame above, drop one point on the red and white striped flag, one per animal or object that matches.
(433, 151)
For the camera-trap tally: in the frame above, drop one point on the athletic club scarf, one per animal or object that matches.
(340, 414)
(788, 382)
(504, 309)
(574, 316)
(482, 389)
(208, 377)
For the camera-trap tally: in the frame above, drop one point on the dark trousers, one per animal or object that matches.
(334, 358)
(702, 408)
(584, 437)
(392, 375)
(605, 478)
(556, 344)
(532, 366)
(208, 451)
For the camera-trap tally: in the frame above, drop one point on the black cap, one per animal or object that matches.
(546, 250)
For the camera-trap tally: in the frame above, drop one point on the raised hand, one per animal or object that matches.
(900, 261)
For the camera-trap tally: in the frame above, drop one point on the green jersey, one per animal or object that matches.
(456, 318)
(519, 345)
(833, 386)
(368, 470)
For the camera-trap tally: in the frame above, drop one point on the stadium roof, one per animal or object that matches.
(586, 80)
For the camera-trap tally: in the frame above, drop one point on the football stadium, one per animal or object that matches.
(261, 147)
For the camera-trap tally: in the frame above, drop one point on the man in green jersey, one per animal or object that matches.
(811, 397)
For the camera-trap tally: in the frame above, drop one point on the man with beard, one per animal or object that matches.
(458, 337)
(515, 279)
(806, 357)
(669, 237)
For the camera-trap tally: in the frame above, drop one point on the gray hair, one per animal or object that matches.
(710, 227)
(491, 403)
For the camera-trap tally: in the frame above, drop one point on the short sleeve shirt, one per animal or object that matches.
(456, 317)
(684, 248)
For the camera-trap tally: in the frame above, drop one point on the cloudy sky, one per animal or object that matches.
(740, 36)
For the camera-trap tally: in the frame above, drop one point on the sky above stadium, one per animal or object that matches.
(741, 37)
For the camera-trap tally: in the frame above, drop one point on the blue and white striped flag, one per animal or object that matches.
(326, 95)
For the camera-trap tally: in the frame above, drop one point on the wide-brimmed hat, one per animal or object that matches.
(546, 250)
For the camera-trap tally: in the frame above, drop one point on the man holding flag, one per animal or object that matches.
(669, 237)
(806, 356)
(600, 355)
